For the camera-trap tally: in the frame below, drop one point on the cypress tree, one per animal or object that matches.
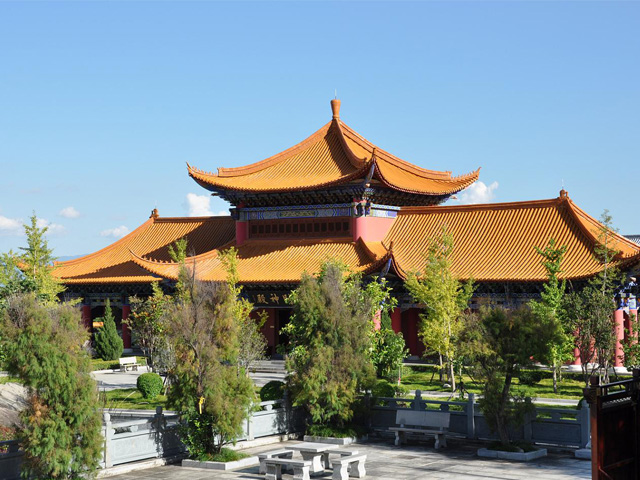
(60, 431)
(109, 345)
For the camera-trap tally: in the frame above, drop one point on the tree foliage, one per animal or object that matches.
(211, 394)
(498, 343)
(589, 311)
(146, 322)
(445, 299)
(388, 349)
(109, 345)
(329, 332)
(61, 424)
(551, 305)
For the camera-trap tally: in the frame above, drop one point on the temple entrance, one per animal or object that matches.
(283, 315)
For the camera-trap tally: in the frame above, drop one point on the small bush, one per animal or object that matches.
(382, 388)
(274, 390)
(225, 455)
(149, 385)
(530, 377)
(347, 431)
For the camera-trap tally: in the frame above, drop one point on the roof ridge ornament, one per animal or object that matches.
(154, 213)
(564, 194)
(335, 108)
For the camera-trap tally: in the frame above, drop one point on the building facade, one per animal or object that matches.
(337, 195)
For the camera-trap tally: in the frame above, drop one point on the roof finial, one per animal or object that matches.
(154, 213)
(335, 108)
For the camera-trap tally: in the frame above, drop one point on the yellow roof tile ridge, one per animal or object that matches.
(478, 206)
(356, 161)
(583, 218)
(278, 157)
(396, 161)
(463, 182)
(110, 247)
(369, 247)
(151, 265)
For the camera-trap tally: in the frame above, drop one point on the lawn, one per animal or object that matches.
(131, 399)
(423, 378)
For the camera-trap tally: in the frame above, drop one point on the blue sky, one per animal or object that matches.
(102, 103)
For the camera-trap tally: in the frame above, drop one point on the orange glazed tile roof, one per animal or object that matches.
(113, 264)
(278, 261)
(334, 155)
(495, 242)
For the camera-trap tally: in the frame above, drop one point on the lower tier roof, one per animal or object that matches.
(492, 243)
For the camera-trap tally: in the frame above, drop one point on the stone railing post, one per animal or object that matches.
(159, 422)
(250, 426)
(585, 424)
(528, 418)
(287, 412)
(471, 416)
(417, 400)
(108, 435)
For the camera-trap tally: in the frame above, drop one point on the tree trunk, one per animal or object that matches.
(555, 379)
(501, 423)
(452, 374)
(440, 371)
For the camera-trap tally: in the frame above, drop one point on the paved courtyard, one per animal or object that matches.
(386, 462)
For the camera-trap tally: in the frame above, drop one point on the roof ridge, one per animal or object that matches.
(144, 226)
(277, 158)
(577, 212)
(397, 161)
(356, 161)
(478, 206)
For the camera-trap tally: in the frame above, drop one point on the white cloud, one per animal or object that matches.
(69, 212)
(222, 213)
(199, 205)
(117, 232)
(10, 226)
(478, 192)
(52, 228)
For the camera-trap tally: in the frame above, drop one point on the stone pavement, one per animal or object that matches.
(418, 461)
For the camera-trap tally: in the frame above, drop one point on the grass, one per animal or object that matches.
(131, 399)
(9, 380)
(423, 378)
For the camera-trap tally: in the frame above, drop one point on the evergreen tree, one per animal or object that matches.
(109, 345)
(330, 340)
(498, 343)
(212, 395)
(61, 426)
(445, 299)
(37, 263)
(551, 305)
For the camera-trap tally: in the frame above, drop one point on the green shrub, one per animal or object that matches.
(274, 390)
(149, 385)
(383, 388)
(530, 377)
(108, 343)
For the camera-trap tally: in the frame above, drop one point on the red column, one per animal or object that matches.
(242, 232)
(396, 320)
(412, 332)
(618, 318)
(126, 331)
(377, 320)
(633, 314)
(86, 316)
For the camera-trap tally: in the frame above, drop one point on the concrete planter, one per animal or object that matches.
(513, 456)
(242, 463)
(334, 440)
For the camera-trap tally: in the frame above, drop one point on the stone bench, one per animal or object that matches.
(282, 453)
(274, 468)
(422, 423)
(341, 470)
(128, 362)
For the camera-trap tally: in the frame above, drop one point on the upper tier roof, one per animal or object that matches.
(492, 243)
(113, 264)
(495, 242)
(334, 155)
